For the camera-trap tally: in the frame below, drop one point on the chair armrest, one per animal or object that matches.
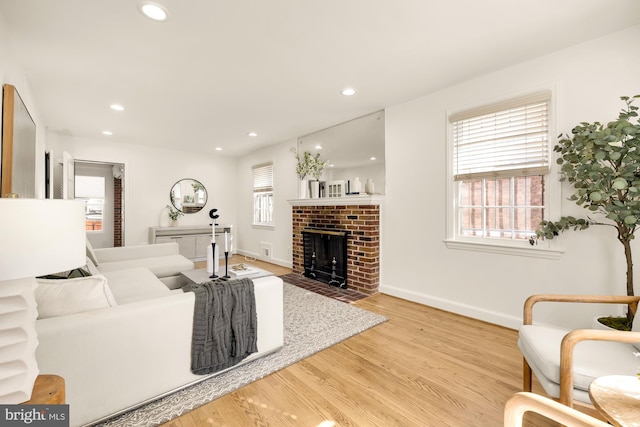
(527, 318)
(567, 348)
(528, 402)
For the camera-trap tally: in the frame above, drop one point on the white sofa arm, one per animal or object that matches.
(114, 358)
(136, 252)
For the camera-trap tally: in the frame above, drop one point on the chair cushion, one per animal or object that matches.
(135, 284)
(161, 266)
(635, 327)
(540, 346)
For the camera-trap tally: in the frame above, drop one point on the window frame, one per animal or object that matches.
(261, 193)
(552, 197)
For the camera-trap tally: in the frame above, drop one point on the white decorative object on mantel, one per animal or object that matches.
(315, 189)
(356, 185)
(335, 188)
(303, 187)
(368, 186)
(39, 236)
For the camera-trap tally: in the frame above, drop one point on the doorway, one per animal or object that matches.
(101, 187)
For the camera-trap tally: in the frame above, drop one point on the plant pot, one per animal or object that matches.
(601, 326)
(303, 187)
(174, 223)
(315, 189)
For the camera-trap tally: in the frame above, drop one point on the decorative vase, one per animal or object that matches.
(303, 186)
(174, 223)
(355, 185)
(368, 186)
(315, 189)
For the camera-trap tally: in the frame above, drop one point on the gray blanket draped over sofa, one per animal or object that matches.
(224, 324)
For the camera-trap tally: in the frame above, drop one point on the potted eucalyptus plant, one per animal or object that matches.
(602, 164)
(174, 214)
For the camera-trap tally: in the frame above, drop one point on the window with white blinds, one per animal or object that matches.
(501, 140)
(263, 194)
(263, 178)
(500, 163)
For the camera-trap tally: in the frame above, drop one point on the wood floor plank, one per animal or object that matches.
(423, 367)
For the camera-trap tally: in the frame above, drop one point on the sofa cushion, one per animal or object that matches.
(67, 296)
(91, 253)
(135, 284)
(161, 266)
(540, 345)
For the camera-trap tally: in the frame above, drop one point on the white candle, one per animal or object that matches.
(226, 247)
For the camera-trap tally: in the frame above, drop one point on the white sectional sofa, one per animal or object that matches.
(163, 259)
(137, 347)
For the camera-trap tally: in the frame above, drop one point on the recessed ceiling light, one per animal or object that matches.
(349, 91)
(218, 148)
(107, 132)
(153, 11)
(318, 147)
(372, 158)
(331, 165)
(117, 107)
(252, 134)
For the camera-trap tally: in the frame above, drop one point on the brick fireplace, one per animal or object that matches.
(360, 217)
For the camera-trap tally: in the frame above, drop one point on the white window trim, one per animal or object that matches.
(262, 225)
(547, 249)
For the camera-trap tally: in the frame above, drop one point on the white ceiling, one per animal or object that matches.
(216, 70)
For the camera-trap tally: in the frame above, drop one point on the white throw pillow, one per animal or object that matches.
(62, 297)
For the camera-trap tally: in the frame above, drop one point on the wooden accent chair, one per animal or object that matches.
(522, 402)
(566, 369)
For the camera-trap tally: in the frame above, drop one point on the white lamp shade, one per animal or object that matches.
(40, 236)
(37, 237)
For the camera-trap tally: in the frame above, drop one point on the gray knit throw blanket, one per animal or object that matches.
(225, 325)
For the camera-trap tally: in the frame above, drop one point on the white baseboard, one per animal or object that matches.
(454, 307)
(280, 262)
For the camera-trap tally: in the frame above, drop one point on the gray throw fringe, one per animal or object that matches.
(224, 324)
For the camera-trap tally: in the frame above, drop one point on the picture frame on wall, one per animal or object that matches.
(18, 170)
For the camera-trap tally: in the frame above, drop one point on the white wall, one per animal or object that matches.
(148, 177)
(415, 264)
(12, 73)
(285, 187)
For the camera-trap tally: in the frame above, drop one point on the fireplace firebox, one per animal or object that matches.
(325, 256)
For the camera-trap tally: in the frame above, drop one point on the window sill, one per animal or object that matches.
(264, 226)
(504, 249)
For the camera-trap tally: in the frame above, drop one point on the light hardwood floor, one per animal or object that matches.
(423, 367)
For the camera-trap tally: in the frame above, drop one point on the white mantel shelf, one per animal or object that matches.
(366, 199)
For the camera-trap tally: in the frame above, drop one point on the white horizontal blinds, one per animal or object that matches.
(501, 140)
(263, 178)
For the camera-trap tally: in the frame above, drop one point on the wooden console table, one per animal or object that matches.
(617, 397)
(47, 390)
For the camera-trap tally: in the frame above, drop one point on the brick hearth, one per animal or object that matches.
(363, 243)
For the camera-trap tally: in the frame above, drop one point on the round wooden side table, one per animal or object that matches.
(617, 397)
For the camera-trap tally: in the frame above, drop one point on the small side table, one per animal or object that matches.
(47, 390)
(617, 397)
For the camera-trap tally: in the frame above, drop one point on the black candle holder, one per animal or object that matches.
(213, 261)
(226, 265)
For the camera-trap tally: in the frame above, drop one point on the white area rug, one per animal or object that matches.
(312, 323)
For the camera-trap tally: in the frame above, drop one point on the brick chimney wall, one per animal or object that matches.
(363, 243)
